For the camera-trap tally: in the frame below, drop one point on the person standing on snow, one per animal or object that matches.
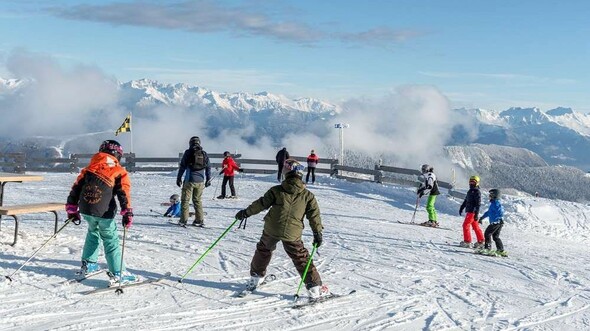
(312, 163)
(496, 214)
(289, 203)
(93, 198)
(471, 206)
(282, 155)
(174, 209)
(429, 187)
(229, 166)
(195, 168)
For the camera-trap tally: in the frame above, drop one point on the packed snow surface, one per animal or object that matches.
(406, 277)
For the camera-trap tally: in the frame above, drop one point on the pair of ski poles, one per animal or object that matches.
(77, 222)
(223, 235)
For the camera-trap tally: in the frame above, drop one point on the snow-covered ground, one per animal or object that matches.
(407, 277)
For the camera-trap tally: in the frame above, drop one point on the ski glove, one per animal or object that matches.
(127, 217)
(221, 173)
(73, 213)
(240, 170)
(179, 182)
(241, 215)
(317, 239)
(476, 218)
(208, 183)
(461, 211)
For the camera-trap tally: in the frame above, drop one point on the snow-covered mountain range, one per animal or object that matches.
(559, 136)
(539, 139)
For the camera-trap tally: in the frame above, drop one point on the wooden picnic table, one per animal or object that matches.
(15, 178)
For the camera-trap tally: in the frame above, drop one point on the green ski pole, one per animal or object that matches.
(315, 247)
(207, 251)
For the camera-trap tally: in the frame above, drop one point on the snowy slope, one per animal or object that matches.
(407, 277)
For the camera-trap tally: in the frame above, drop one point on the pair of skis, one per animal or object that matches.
(116, 288)
(298, 304)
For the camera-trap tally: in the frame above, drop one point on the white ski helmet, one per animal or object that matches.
(426, 168)
(174, 198)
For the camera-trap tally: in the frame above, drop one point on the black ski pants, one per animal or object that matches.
(493, 232)
(230, 180)
(312, 171)
(280, 174)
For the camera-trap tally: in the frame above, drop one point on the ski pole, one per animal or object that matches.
(38, 249)
(207, 251)
(120, 289)
(315, 247)
(216, 186)
(415, 209)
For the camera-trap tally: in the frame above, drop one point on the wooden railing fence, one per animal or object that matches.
(19, 163)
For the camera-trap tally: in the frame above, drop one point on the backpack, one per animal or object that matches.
(196, 160)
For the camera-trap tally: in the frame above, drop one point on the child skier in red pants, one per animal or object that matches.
(471, 206)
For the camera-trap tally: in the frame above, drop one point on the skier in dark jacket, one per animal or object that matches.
(471, 206)
(496, 214)
(93, 198)
(289, 203)
(282, 155)
(429, 187)
(197, 176)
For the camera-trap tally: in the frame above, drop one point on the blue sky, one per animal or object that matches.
(489, 54)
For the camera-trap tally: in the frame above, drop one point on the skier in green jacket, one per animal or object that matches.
(289, 203)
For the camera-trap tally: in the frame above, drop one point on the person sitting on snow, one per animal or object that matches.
(174, 209)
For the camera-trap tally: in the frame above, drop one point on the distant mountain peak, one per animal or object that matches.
(560, 111)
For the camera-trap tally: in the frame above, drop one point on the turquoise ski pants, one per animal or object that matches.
(430, 208)
(106, 230)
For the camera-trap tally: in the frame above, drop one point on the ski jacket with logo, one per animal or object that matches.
(191, 175)
(430, 185)
(312, 161)
(229, 166)
(98, 184)
(289, 203)
(495, 212)
(472, 201)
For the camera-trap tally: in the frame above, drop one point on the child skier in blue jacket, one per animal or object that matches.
(174, 210)
(496, 214)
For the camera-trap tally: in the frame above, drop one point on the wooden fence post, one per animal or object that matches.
(378, 174)
(130, 162)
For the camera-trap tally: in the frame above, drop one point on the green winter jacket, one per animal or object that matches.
(288, 203)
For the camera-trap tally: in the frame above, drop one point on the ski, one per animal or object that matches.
(424, 226)
(81, 277)
(244, 293)
(124, 286)
(311, 302)
(488, 252)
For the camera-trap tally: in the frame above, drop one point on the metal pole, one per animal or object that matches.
(40, 248)
(315, 247)
(207, 251)
(342, 145)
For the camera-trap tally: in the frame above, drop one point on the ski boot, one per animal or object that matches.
(253, 282)
(199, 223)
(465, 244)
(221, 197)
(88, 268)
(478, 245)
(125, 278)
(502, 253)
(318, 291)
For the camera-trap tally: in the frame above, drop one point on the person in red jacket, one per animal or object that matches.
(312, 162)
(228, 167)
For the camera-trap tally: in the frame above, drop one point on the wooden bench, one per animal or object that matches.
(16, 210)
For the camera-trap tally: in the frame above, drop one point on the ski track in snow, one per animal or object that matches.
(406, 277)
